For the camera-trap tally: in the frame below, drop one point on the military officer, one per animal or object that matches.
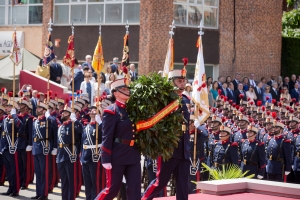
(279, 158)
(179, 163)
(67, 153)
(93, 172)
(225, 152)
(2, 168)
(24, 135)
(253, 154)
(119, 155)
(296, 156)
(44, 138)
(9, 147)
(239, 136)
(202, 137)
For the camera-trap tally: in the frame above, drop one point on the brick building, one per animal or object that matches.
(239, 36)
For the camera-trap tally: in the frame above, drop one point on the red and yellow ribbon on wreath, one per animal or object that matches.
(145, 124)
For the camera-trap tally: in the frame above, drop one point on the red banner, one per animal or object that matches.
(69, 58)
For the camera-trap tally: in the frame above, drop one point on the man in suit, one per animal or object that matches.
(236, 81)
(224, 89)
(286, 82)
(88, 62)
(295, 92)
(231, 93)
(220, 82)
(238, 92)
(133, 73)
(259, 92)
(55, 71)
(79, 77)
(252, 81)
(274, 92)
(292, 82)
(34, 100)
(272, 80)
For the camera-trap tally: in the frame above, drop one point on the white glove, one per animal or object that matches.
(28, 148)
(293, 167)
(287, 173)
(260, 177)
(73, 117)
(98, 119)
(107, 165)
(196, 123)
(54, 151)
(13, 111)
(47, 114)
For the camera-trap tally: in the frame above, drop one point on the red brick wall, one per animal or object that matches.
(47, 14)
(155, 18)
(257, 37)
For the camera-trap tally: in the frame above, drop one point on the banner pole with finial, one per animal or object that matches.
(200, 33)
(48, 82)
(97, 100)
(73, 135)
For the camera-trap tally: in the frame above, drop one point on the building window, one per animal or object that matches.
(191, 12)
(23, 11)
(96, 11)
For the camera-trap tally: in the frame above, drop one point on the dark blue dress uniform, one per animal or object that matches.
(179, 164)
(253, 157)
(279, 157)
(296, 163)
(225, 152)
(42, 153)
(202, 137)
(66, 161)
(24, 135)
(2, 168)
(9, 153)
(118, 135)
(93, 172)
(239, 136)
(210, 147)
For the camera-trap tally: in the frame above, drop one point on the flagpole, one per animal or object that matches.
(73, 136)
(200, 33)
(97, 100)
(48, 82)
(14, 88)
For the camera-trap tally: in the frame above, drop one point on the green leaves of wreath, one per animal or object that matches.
(149, 95)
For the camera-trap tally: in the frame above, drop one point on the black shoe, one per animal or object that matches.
(14, 195)
(1, 184)
(50, 191)
(56, 185)
(35, 197)
(43, 198)
(6, 193)
(23, 188)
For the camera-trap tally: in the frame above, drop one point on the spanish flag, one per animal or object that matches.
(125, 58)
(69, 58)
(15, 56)
(169, 61)
(98, 59)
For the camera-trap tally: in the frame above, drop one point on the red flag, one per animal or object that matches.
(69, 58)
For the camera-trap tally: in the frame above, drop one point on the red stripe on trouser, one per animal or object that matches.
(46, 176)
(54, 172)
(165, 191)
(79, 174)
(103, 177)
(28, 168)
(98, 178)
(154, 185)
(3, 173)
(198, 179)
(75, 180)
(103, 194)
(31, 168)
(17, 172)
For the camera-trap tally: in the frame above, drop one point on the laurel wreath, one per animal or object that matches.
(149, 95)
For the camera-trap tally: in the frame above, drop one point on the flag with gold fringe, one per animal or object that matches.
(125, 58)
(15, 55)
(48, 52)
(69, 58)
(98, 59)
(169, 61)
(200, 93)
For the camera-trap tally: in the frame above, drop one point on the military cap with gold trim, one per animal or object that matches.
(60, 101)
(24, 101)
(243, 118)
(252, 128)
(216, 119)
(42, 105)
(278, 124)
(225, 129)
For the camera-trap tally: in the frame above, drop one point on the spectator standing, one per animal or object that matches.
(286, 82)
(251, 94)
(34, 101)
(78, 77)
(275, 92)
(88, 87)
(210, 97)
(267, 95)
(292, 82)
(280, 83)
(66, 75)
(133, 73)
(55, 71)
(259, 92)
(231, 93)
(246, 84)
(252, 80)
(108, 71)
(209, 82)
(214, 91)
(272, 80)
(224, 89)
(42, 71)
(220, 82)
(239, 92)
(88, 63)
(285, 95)
(264, 82)
(228, 80)
(236, 81)
(295, 92)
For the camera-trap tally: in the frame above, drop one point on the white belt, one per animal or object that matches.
(90, 146)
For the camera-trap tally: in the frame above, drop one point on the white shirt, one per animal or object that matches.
(252, 82)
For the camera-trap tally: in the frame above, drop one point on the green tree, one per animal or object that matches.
(291, 23)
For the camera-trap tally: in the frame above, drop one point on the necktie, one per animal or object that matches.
(258, 89)
(275, 92)
(225, 92)
(88, 90)
(230, 92)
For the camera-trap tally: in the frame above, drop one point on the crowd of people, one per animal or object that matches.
(254, 125)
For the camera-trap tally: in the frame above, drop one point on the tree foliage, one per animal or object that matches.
(291, 23)
(149, 95)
